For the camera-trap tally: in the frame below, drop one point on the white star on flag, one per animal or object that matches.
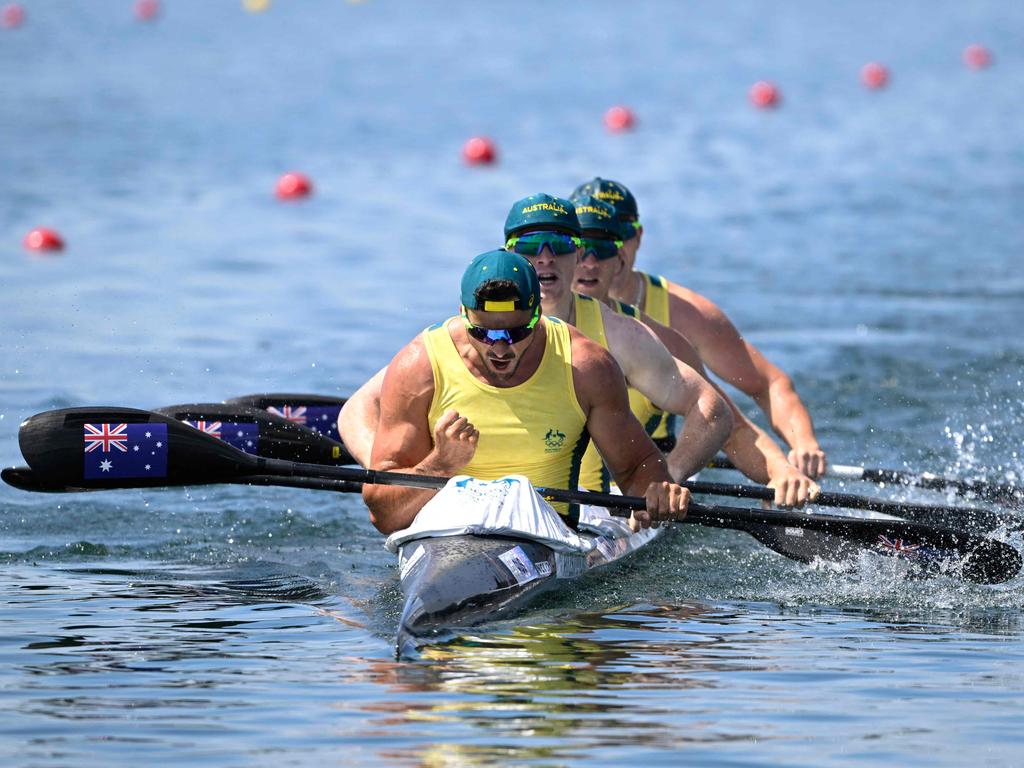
(106, 464)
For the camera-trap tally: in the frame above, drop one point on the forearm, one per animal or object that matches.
(707, 426)
(394, 507)
(753, 451)
(651, 469)
(786, 413)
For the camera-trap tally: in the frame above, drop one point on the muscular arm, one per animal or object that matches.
(740, 363)
(673, 386)
(405, 442)
(632, 457)
(752, 450)
(358, 419)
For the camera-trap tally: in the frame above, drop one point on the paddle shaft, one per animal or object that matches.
(980, 519)
(996, 492)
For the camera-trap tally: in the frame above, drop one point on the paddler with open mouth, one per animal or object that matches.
(545, 230)
(750, 448)
(720, 345)
(501, 389)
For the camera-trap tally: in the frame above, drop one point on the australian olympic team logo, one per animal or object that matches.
(554, 439)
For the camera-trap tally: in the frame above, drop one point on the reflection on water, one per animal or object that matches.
(198, 659)
(643, 678)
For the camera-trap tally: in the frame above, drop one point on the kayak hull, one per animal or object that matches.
(458, 581)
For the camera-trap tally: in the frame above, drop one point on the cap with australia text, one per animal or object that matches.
(596, 216)
(611, 192)
(541, 212)
(501, 265)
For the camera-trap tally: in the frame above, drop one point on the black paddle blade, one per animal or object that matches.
(316, 412)
(937, 550)
(92, 448)
(24, 479)
(260, 432)
(975, 558)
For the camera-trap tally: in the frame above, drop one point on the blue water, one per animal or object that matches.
(868, 242)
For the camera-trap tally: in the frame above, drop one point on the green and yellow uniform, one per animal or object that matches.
(537, 428)
(594, 475)
(656, 307)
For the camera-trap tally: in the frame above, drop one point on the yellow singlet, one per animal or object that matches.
(594, 475)
(536, 428)
(656, 297)
(656, 307)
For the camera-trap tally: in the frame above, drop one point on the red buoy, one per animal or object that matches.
(765, 95)
(479, 151)
(977, 56)
(619, 118)
(43, 239)
(147, 10)
(293, 186)
(874, 75)
(13, 16)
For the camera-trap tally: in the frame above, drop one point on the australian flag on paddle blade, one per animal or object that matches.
(241, 435)
(125, 450)
(322, 418)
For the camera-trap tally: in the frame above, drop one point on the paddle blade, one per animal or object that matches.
(260, 432)
(24, 479)
(316, 412)
(92, 448)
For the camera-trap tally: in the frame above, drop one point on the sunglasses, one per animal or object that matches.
(491, 336)
(532, 243)
(602, 249)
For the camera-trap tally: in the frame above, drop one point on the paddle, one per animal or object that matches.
(261, 432)
(324, 409)
(999, 493)
(316, 412)
(125, 448)
(978, 520)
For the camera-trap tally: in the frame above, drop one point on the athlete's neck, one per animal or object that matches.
(563, 309)
(628, 287)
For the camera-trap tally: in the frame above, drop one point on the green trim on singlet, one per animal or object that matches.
(624, 309)
(572, 516)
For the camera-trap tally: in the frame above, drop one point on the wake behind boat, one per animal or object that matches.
(480, 550)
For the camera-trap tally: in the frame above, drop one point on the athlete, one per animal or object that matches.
(715, 338)
(546, 230)
(751, 450)
(502, 389)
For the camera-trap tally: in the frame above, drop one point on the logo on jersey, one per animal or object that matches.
(554, 439)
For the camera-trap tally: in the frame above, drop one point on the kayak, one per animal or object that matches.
(455, 574)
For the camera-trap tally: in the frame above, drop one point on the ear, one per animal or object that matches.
(621, 262)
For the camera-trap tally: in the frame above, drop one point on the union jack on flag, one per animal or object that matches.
(896, 546)
(105, 437)
(244, 436)
(209, 427)
(296, 414)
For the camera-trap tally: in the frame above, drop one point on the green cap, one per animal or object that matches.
(501, 265)
(541, 212)
(612, 193)
(597, 216)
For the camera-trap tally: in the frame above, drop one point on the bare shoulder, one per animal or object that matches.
(624, 328)
(409, 374)
(692, 310)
